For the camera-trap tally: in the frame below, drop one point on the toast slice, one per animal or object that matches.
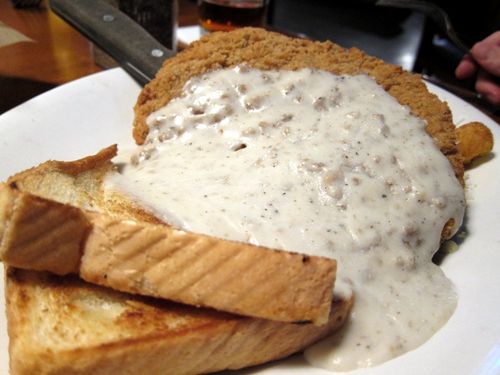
(63, 325)
(137, 256)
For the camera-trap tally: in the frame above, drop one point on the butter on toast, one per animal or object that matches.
(62, 325)
(41, 230)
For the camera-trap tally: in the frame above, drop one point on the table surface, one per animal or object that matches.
(57, 54)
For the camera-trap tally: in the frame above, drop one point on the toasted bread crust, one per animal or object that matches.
(155, 259)
(79, 183)
(267, 50)
(40, 233)
(61, 325)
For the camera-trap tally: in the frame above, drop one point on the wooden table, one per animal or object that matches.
(58, 53)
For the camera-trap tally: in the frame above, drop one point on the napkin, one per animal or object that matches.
(10, 36)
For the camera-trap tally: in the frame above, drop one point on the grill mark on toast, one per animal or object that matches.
(261, 281)
(124, 244)
(272, 291)
(105, 229)
(239, 268)
(33, 230)
(64, 234)
(33, 213)
(235, 270)
(56, 229)
(191, 284)
(134, 251)
(202, 359)
(230, 337)
(210, 274)
(192, 254)
(255, 328)
(59, 230)
(274, 286)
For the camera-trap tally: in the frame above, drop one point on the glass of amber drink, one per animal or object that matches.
(226, 15)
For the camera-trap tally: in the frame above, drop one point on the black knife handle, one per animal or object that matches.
(122, 38)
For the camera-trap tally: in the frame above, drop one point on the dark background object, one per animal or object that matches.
(472, 20)
(26, 3)
(25, 90)
(156, 16)
(398, 36)
(392, 34)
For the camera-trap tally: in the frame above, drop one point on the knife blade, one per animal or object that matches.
(137, 52)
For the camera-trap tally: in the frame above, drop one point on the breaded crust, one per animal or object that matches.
(62, 325)
(268, 50)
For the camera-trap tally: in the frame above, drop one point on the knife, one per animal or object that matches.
(137, 52)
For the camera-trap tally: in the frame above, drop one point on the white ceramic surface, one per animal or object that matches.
(84, 116)
(188, 34)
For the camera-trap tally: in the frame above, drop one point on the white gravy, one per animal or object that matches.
(320, 164)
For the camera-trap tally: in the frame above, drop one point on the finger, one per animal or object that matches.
(467, 68)
(486, 85)
(487, 53)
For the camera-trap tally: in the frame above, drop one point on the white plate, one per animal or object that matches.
(84, 116)
(188, 34)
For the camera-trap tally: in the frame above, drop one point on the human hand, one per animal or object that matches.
(484, 60)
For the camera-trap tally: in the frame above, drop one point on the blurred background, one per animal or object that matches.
(399, 36)
(49, 52)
